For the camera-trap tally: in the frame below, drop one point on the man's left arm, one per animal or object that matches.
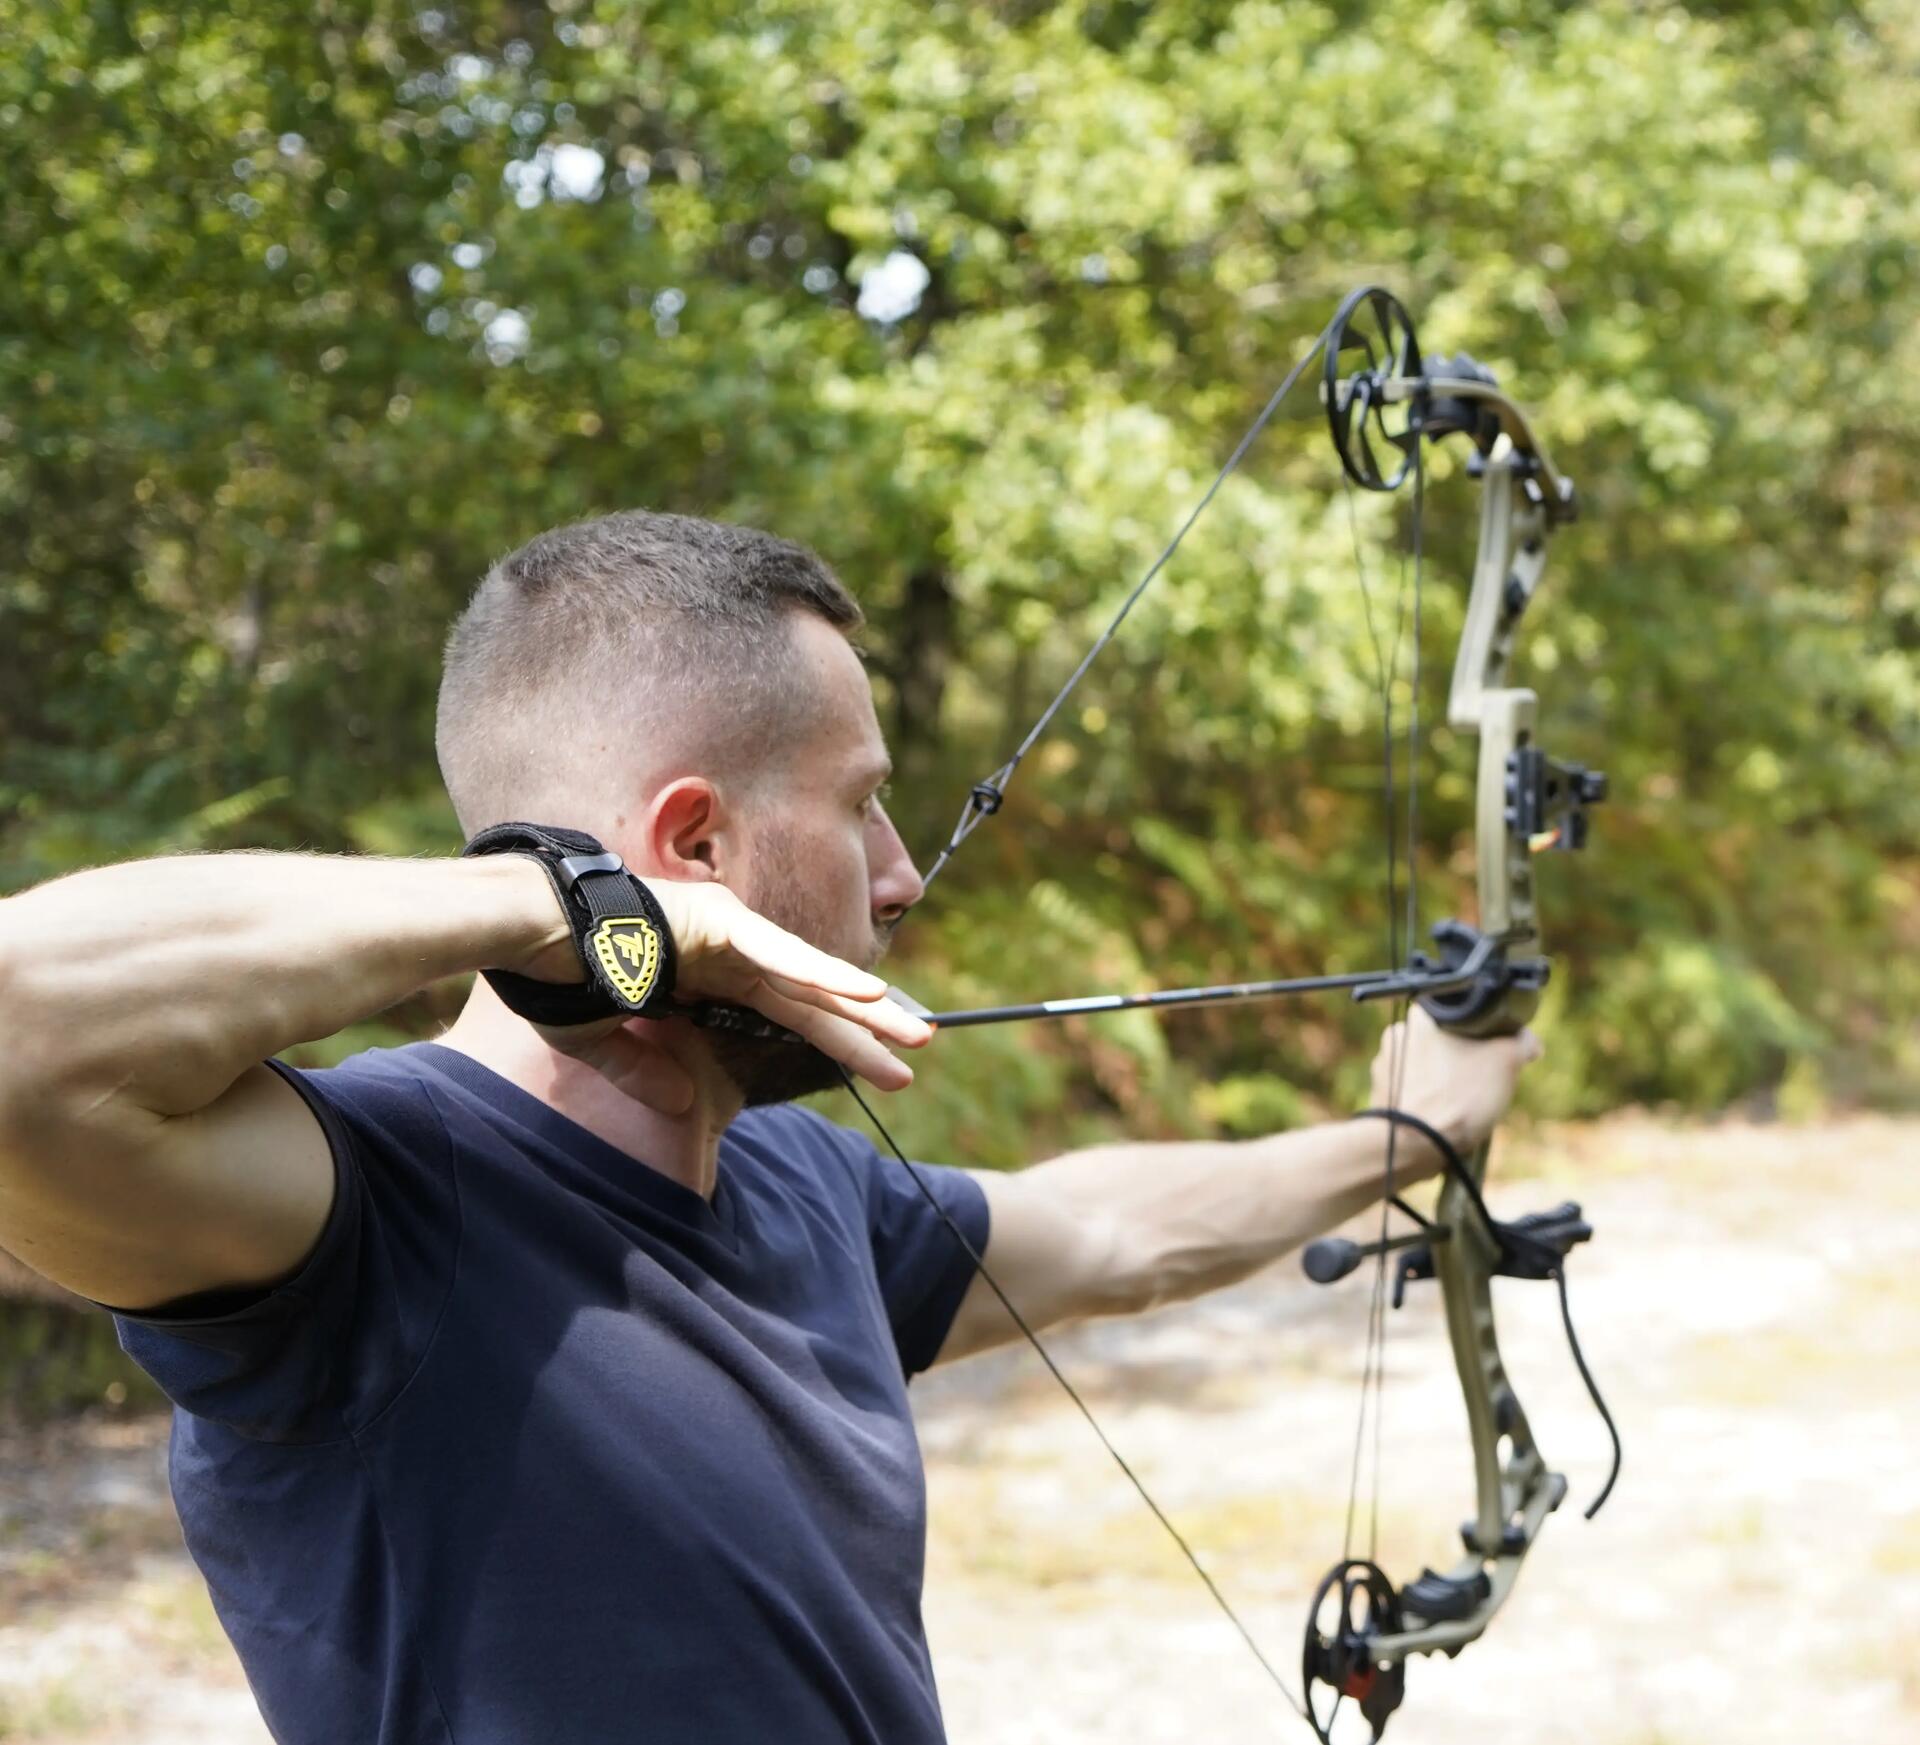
(1116, 1229)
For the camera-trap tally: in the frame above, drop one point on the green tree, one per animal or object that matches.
(305, 315)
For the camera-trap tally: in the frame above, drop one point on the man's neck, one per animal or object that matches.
(685, 1148)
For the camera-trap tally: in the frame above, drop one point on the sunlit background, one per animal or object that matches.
(306, 314)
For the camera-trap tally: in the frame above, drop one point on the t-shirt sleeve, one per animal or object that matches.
(325, 1351)
(922, 1268)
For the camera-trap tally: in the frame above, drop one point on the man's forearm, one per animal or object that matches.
(1186, 1218)
(161, 981)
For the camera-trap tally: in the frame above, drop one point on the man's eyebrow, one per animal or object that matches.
(876, 775)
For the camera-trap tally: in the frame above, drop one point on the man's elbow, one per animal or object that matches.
(1063, 1257)
(1119, 1266)
(1154, 1266)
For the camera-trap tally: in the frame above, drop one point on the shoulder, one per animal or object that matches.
(389, 1077)
(381, 1095)
(822, 1158)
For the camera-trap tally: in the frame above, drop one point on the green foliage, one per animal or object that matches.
(308, 313)
(55, 1360)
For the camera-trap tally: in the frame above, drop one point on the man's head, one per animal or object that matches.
(688, 693)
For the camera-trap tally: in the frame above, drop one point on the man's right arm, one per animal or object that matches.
(145, 1151)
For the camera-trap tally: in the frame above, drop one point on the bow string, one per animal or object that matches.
(1383, 403)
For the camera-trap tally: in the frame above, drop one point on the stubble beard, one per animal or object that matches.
(767, 1069)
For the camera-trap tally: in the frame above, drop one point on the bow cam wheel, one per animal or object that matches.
(1370, 343)
(1354, 1606)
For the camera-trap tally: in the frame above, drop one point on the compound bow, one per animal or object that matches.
(1525, 801)
(1383, 402)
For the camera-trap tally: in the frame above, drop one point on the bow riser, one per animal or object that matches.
(1504, 856)
(1514, 1489)
(1512, 1496)
(1506, 571)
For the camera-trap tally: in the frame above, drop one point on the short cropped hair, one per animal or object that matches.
(612, 650)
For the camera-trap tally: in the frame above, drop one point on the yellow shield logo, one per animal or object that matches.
(627, 948)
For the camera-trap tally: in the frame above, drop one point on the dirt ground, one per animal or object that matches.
(1752, 1306)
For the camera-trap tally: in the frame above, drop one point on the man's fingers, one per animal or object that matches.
(841, 1039)
(729, 951)
(892, 1023)
(778, 952)
(735, 930)
(1531, 1047)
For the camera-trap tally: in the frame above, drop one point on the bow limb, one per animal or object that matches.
(1512, 1496)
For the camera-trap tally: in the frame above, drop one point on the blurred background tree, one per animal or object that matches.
(306, 314)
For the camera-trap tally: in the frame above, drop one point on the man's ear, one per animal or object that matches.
(687, 831)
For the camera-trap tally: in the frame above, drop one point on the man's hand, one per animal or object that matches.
(1458, 1084)
(727, 951)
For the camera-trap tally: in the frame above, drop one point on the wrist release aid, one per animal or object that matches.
(619, 929)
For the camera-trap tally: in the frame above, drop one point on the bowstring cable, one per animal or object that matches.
(985, 799)
(987, 794)
(1384, 667)
(1411, 932)
(982, 803)
(1387, 667)
(1093, 1423)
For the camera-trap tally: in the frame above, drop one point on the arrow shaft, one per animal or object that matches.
(1217, 995)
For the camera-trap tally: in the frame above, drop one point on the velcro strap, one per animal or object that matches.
(619, 929)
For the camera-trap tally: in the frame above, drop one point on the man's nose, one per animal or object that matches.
(896, 882)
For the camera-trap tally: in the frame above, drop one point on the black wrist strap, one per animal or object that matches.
(1449, 1153)
(619, 929)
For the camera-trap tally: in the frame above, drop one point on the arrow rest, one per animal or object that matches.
(1499, 999)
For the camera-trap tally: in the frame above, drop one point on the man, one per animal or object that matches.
(542, 1384)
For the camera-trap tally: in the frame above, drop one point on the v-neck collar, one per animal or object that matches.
(622, 1170)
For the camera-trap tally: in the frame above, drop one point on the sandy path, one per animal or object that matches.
(1752, 1306)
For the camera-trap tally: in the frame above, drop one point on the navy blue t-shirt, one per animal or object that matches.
(540, 1446)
